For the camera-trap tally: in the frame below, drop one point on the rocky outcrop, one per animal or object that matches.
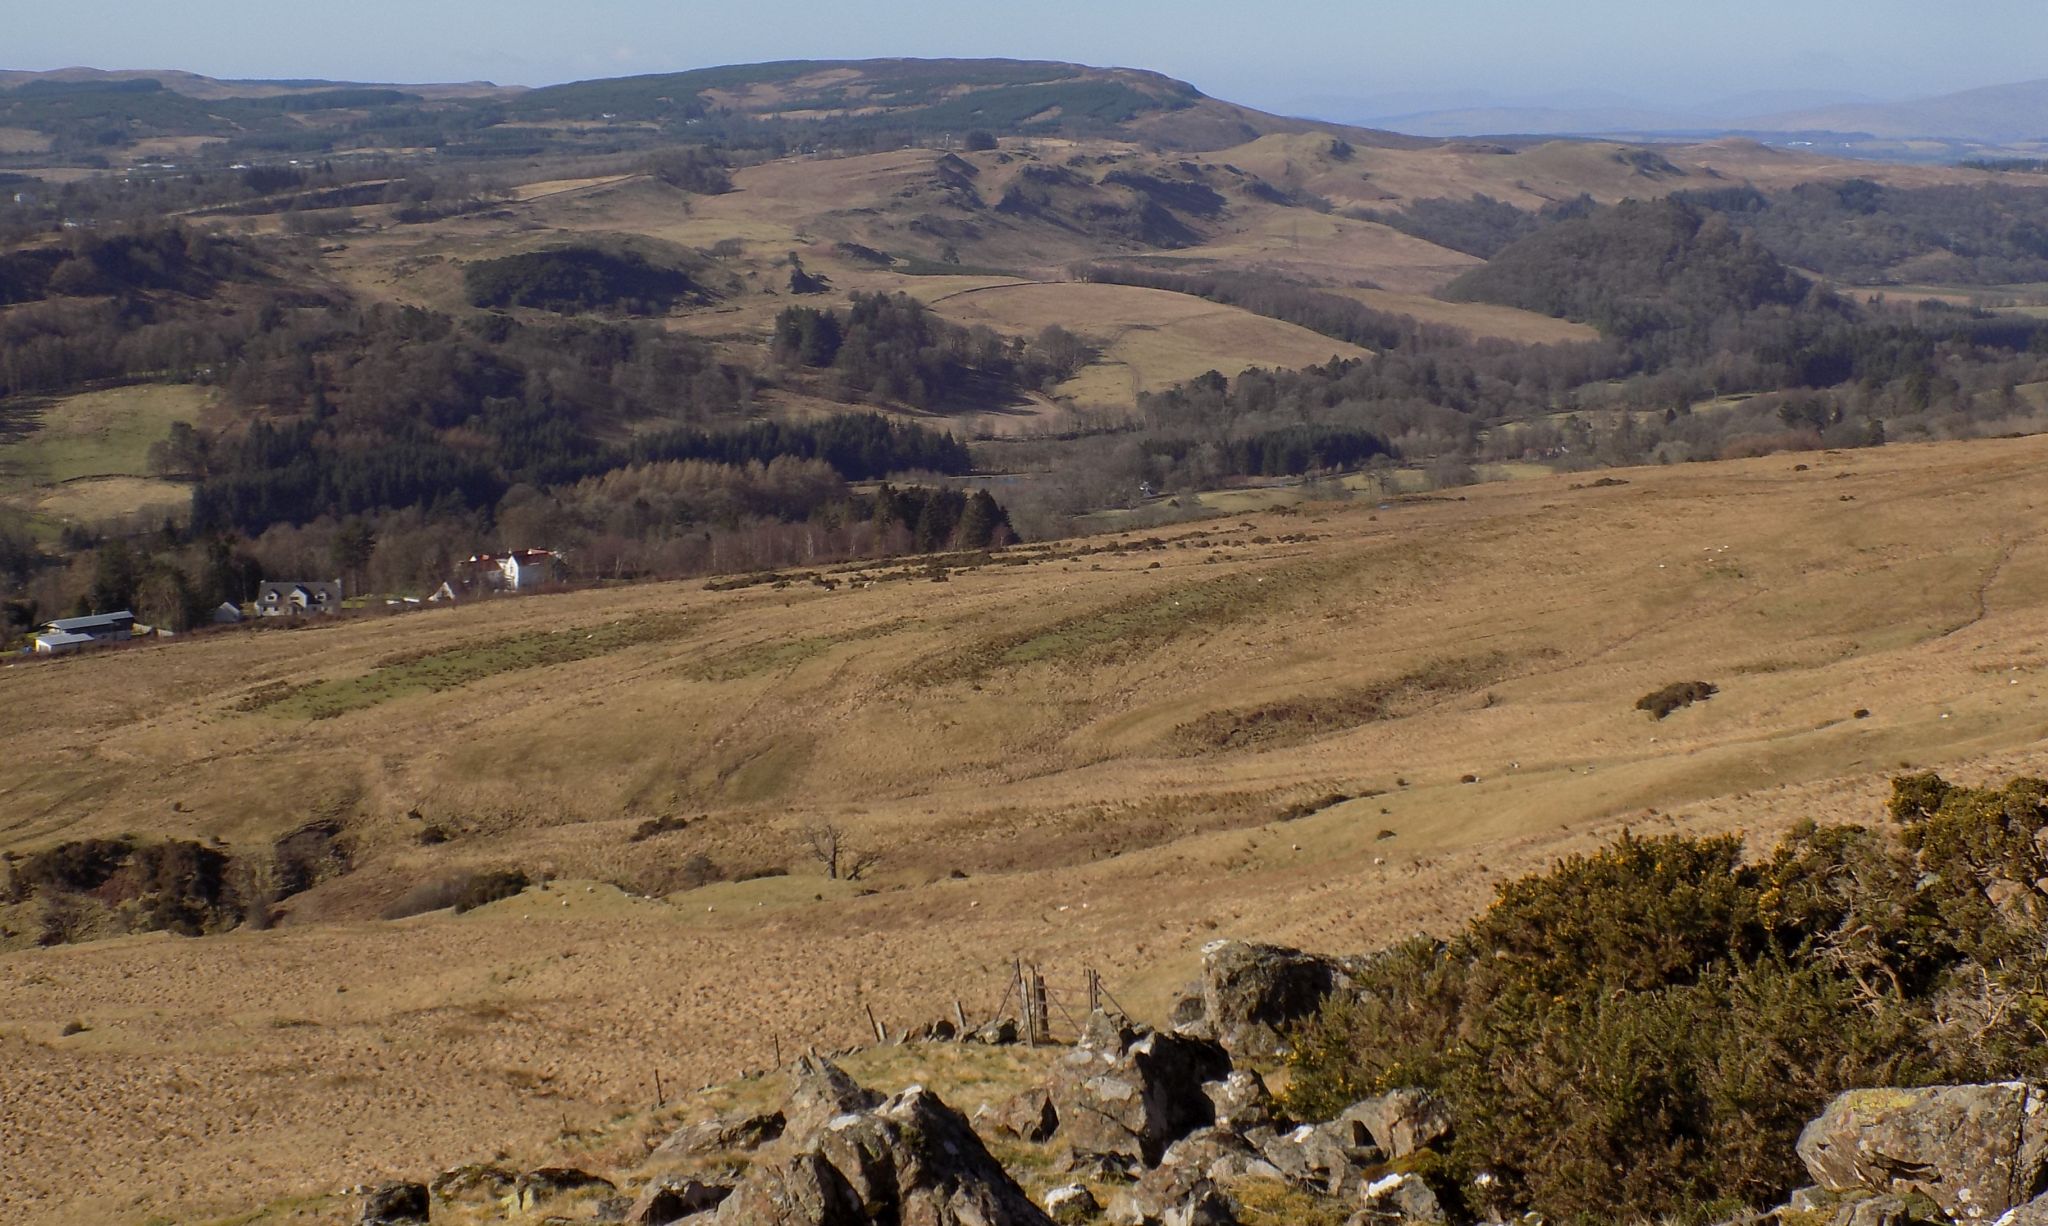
(1028, 1116)
(819, 1092)
(1248, 993)
(999, 1033)
(915, 1160)
(1241, 1101)
(1975, 1150)
(1398, 1122)
(1220, 1155)
(1160, 1201)
(537, 1187)
(671, 1198)
(475, 1182)
(1128, 1093)
(1071, 1205)
(394, 1204)
(726, 1134)
(2033, 1213)
(804, 1191)
(855, 1157)
(1398, 1198)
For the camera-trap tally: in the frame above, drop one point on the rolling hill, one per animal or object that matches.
(856, 347)
(1326, 727)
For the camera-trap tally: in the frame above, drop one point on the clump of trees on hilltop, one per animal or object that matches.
(1641, 268)
(572, 279)
(888, 347)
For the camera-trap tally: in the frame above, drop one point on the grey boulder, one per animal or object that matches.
(1248, 994)
(394, 1204)
(671, 1198)
(804, 1191)
(1399, 1122)
(1975, 1150)
(819, 1092)
(726, 1134)
(1396, 1199)
(1128, 1093)
(914, 1161)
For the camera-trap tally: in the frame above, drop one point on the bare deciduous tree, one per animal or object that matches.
(843, 861)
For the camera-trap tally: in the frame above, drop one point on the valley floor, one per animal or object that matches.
(1106, 740)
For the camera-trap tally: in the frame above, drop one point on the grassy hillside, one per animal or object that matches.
(85, 459)
(1113, 745)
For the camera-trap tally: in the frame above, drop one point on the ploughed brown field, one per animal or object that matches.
(1090, 753)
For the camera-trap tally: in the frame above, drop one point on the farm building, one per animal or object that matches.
(59, 642)
(297, 598)
(517, 571)
(68, 634)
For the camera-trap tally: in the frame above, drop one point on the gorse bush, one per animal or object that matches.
(1643, 1031)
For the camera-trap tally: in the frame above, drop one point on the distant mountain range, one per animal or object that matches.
(1999, 115)
(193, 85)
(86, 113)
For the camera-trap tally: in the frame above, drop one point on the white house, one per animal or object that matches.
(519, 570)
(297, 598)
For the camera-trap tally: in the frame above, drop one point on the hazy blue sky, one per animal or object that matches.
(1281, 54)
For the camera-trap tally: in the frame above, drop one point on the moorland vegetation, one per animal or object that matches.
(1643, 1031)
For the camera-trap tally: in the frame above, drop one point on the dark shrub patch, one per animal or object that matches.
(78, 867)
(186, 886)
(309, 855)
(177, 886)
(1309, 808)
(463, 892)
(486, 888)
(657, 825)
(698, 870)
(1662, 702)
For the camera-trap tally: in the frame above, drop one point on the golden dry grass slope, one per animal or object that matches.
(1104, 741)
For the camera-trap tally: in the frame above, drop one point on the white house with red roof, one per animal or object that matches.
(518, 571)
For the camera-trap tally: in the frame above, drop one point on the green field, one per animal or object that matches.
(1289, 492)
(434, 671)
(97, 434)
(85, 458)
